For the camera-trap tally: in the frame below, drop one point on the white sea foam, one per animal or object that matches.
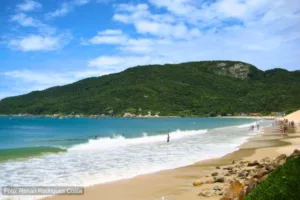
(119, 141)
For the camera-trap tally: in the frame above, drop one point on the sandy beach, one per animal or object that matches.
(177, 184)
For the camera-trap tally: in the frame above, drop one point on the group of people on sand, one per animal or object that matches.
(284, 127)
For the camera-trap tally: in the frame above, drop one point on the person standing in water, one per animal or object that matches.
(168, 138)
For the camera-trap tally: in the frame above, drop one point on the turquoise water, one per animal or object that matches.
(25, 136)
(53, 152)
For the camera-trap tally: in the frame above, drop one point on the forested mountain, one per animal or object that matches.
(187, 89)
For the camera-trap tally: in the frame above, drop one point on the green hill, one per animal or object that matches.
(194, 88)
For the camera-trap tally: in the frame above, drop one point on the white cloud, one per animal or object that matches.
(40, 43)
(119, 63)
(108, 37)
(26, 21)
(66, 7)
(28, 5)
(160, 25)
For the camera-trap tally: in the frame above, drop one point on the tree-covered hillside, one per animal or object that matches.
(195, 88)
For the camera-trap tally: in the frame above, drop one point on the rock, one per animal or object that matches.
(205, 194)
(197, 183)
(254, 163)
(262, 179)
(266, 160)
(264, 172)
(227, 174)
(296, 153)
(220, 180)
(260, 166)
(280, 159)
(233, 162)
(230, 168)
(220, 193)
(217, 167)
(242, 175)
(225, 198)
(215, 174)
(209, 182)
(261, 173)
(235, 189)
(270, 168)
(250, 187)
(217, 188)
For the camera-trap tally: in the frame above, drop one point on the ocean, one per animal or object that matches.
(37, 151)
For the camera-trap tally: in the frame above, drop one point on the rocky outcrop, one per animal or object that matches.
(241, 178)
(237, 70)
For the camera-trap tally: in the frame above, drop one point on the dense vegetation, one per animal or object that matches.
(281, 184)
(187, 89)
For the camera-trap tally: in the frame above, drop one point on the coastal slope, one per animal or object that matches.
(207, 88)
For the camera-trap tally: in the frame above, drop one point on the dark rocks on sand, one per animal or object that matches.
(220, 180)
(205, 194)
(209, 182)
(215, 174)
(254, 163)
(280, 159)
(217, 167)
(217, 188)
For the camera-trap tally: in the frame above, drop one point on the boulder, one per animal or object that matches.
(270, 168)
(260, 166)
(205, 194)
(209, 182)
(230, 168)
(280, 159)
(217, 188)
(197, 183)
(296, 153)
(219, 180)
(217, 167)
(261, 173)
(254, 163)
(215, 174)
(234, 191)
(262, 179)
(266, 160)
(250, 187)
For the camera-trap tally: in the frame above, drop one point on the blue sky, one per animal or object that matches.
(44, 43)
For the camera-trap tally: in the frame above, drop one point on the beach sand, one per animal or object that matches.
(177, 184)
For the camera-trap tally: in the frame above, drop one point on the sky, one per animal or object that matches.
(44, 43)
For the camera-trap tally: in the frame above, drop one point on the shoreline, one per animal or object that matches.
(177, 184)
(58, 116)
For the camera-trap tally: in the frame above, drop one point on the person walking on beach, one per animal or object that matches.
(168, 138)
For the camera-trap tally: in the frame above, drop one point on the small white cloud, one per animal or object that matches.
(66, 7)
(108, 36)
(120, 63)
(28, 5)
(40, 43)
(24, 20)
